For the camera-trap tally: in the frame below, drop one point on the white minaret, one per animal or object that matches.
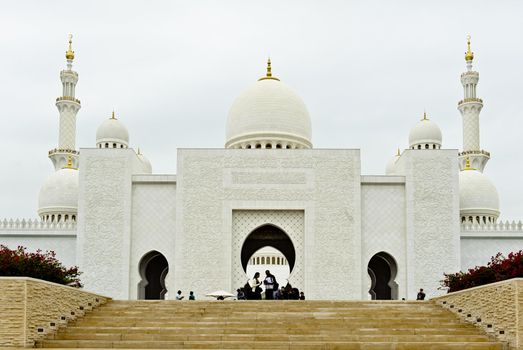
(68, 106)
(470, 107)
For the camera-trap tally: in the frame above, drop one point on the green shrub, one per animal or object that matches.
(41, 265)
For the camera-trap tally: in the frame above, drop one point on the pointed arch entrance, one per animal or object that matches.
(268, 236)
(382, 269)
(153, 268)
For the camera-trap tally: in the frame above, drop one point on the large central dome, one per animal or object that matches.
(268, 115)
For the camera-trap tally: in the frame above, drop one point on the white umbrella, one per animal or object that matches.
(220, 293)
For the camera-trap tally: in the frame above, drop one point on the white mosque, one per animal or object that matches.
(267, 199)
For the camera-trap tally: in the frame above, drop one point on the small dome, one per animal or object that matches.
(59, 193)
(146, 165)
(425, 134)
(390, 168)
(269, 115)
(477, 195)
(112, 134)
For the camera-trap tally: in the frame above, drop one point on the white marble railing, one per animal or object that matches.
(35, 224)
(506, 226)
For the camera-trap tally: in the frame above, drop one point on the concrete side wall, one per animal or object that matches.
(499, 305)
(31, 308)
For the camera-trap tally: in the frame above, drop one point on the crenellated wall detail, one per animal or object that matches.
(506, 226)
(36, 224)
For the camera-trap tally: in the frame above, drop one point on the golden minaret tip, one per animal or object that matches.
(113, 116)
(69, 54)
(469, 55)
(425, 116)
(398, 154)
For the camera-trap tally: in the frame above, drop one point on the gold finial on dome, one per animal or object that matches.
(69, 54)
(469, 55)
(139, 153)
(398, 154)
(425, 116)
(269, 72)
(113, 116)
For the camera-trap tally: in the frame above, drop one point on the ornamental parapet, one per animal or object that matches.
(63, 150)
(67, 98)
(500, 226)
(464, 153)
(470, 99)
(36, 224)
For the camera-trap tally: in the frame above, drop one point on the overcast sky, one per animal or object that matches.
(171, 70)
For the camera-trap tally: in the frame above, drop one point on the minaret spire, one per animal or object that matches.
(68, 106)
(470, 108)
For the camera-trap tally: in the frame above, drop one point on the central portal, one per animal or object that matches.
(261, 234)
(268, 236)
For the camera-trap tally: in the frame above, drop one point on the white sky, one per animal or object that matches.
(171, 70)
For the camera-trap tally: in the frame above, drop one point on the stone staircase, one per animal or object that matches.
(293, 325)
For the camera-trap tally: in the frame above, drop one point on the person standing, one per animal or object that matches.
(269, 282)
(255, 286)
(421, 295)
(191, 295)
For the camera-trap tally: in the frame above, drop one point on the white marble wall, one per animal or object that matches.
(383, 226)
(478, 247)
(325, 184)
(63, 243)
(104, 220)
(432, 217)
(153, 224)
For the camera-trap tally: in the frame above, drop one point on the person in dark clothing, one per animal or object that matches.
(191, 295)
(421, 295)
(302, 296)
(269, 282)
(240, 294)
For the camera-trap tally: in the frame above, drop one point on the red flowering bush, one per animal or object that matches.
(39, 265)
(498, 269)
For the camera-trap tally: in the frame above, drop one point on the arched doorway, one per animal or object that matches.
(153, 268)
(382, 270)
(268, 236)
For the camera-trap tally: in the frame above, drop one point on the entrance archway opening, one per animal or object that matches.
(269, 258)
(268, 238)
(382, 270)
(153, 268)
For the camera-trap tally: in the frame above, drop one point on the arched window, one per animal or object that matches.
(278, 145)
(470, 219)
(433, 146)
(419, 146)
(58, 217)
(273, 260)
(66, 217)
(258, 145)
(263, 260)
(288, 146)
(52, 218)
(248, 146)
(121, 146)
(106, 145)
(114, 145)
(73, 217)
(477, 219)
(268, 145)
(427, 146)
